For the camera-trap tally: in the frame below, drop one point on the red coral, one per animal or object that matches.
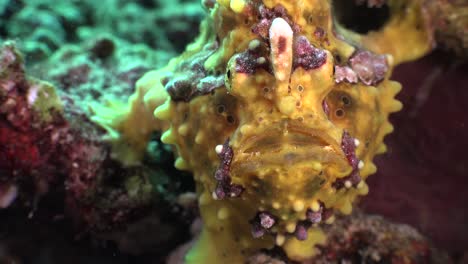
(39, 153)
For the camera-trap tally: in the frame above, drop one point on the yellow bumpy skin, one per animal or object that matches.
(278, 111)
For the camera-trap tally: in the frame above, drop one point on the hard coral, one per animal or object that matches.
(40, 149)
(49, 148)
(282, 146)
(30, 124)
(362, 238)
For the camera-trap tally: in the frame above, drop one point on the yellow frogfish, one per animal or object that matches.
(278, 110)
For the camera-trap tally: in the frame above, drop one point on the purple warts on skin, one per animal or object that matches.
(257, 231)
(266, 17)
(246, 62)
(349, 148)
(306, 55)
(354, 179)
(262, 222)
(226, 156)
(225, 188)
(345, 73)
(301, 230)
(209, 83)
(326, 214)
(266, 220)
(235, 190)
(325, 107)
(314, 217)
(252, 59)
(220, 192)
(180, 88)
(369, 67)
(220, 175)
(191, 79)
(319, 33)
(262, 28)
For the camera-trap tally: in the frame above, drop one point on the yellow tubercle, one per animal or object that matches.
(303, 250)
(162, 112)
(224, 3)
(181, 164)
(237, 5)
(168, 137)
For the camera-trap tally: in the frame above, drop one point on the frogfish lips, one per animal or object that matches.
(293, 160)
(288, 163)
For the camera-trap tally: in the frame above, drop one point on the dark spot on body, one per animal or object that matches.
(220, 109)
(337, 58)
(281, 45)
(339, 113)
(345, 99)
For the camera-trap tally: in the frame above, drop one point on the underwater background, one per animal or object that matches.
(65, 199)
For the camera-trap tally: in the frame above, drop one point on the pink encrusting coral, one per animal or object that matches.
(27, 141)
(41, 151)
(50, 150)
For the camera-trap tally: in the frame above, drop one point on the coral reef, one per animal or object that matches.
(361, 238)
(48, 147)
(449, 20)
(32, 131)
(43, 26)
(288, 138)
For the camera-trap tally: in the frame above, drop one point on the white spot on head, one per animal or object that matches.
(261, 60)
(214, 195)
(356, 142)
(219, 149)
(254, 44)
(361, 164)
(348, 184)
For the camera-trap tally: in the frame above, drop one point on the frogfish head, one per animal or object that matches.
(278, 110)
